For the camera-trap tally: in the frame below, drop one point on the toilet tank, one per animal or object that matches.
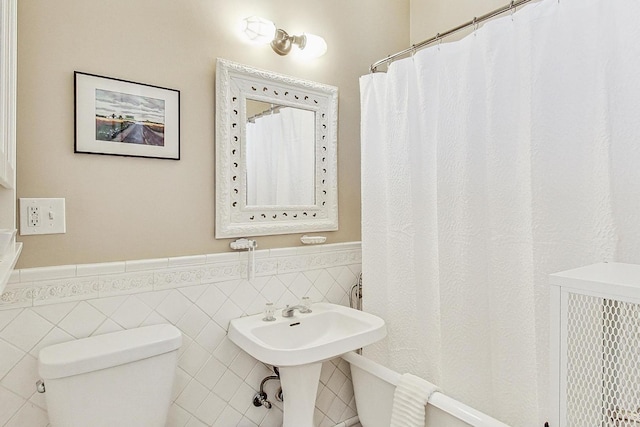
(119, 379)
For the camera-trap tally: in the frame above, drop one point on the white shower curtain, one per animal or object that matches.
(489, 163)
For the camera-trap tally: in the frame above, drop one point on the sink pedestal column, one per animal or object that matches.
(299, 390)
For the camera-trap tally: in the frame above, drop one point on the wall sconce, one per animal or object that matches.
(262, 31)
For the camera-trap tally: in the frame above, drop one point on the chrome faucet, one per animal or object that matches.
(288, 311)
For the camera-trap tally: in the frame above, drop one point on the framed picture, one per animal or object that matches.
(123, 118)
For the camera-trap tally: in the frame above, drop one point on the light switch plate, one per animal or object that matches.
(42, 216)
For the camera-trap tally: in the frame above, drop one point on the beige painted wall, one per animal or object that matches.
(122, 208)
(430, 17)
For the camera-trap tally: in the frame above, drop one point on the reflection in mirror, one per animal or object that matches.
(280, 155)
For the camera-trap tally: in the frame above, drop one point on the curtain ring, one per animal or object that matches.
(475, 24)
(512, 6)
(413, 50)
(439, 39)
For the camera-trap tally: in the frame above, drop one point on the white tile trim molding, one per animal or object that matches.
(215, 380)
(51, 285)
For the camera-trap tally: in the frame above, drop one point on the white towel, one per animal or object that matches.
(409, 400)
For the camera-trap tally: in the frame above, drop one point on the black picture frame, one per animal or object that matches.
(124, 118)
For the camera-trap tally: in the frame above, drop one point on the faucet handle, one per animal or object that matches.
(306, 304)
(268, 312)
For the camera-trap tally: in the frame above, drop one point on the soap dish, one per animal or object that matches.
(313, 240)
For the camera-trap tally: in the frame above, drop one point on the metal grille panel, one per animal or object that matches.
(603, 362)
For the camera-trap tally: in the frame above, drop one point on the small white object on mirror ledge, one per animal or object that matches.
(313, 240)
(243, 244)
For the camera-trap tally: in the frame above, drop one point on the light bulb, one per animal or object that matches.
(314, 46)
(258, 30)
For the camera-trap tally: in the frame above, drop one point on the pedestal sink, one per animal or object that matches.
(298, 345)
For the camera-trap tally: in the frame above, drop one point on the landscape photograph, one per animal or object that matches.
(131, 119)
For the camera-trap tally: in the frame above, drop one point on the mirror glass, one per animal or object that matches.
(280, 148)
(276, 153)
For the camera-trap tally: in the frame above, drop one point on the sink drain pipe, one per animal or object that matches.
(260, 398)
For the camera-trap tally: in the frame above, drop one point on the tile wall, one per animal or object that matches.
(215, 380)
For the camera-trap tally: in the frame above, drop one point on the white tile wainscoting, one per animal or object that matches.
(215, 380)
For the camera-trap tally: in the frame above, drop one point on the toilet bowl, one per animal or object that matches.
(119, 379)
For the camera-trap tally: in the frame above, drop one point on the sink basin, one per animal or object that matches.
(298, 345)
(329, 331)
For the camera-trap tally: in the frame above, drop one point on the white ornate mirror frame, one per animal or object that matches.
(235, 83)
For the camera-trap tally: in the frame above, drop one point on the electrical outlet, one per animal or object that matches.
(42, 216)
(33, 214)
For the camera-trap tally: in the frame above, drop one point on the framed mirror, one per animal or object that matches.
(276, 153)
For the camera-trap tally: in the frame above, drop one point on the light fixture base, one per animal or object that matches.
(282, 42)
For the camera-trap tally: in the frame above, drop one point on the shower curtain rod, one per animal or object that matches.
(438, 37)
(273, 110)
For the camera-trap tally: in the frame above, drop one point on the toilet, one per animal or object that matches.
(119, 379)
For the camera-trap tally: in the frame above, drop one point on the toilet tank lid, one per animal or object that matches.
(106, 351)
